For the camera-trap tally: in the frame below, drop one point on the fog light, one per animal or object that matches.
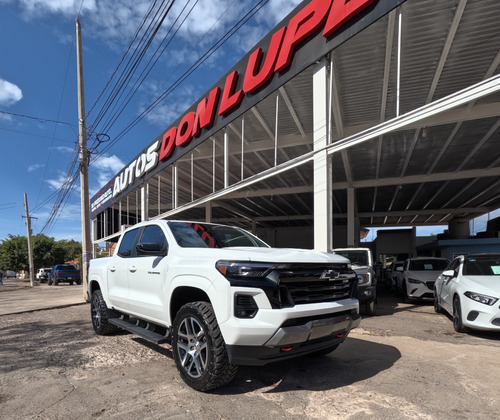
(245, 306)
(472, 315)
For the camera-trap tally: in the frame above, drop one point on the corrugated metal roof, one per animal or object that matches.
(427, 173)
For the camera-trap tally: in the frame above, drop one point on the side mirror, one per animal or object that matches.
(448, 273)
(401, 269)
(153, 249)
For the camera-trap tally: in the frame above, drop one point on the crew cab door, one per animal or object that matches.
(118, 271)
(147, 272)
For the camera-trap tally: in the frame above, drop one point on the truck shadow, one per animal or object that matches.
(354, 361)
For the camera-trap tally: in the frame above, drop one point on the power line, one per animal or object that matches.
(157, 16)
(39, 119)
(205, 56)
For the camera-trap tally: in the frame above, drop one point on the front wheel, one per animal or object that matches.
(199, 349)
(457, 316)
(406, 298)
(101, 315)
(370, 308)
(437, 305)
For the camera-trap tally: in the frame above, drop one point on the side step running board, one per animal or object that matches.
(149, 335)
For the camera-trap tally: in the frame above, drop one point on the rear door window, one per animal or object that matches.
(127, 243)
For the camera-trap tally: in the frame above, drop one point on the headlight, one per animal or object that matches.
(364, 278)
(243, 269)
(415, 281)
(487, 300)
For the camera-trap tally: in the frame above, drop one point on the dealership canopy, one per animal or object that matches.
(361, 113)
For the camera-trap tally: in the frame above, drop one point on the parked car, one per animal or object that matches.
(469, 290)
(418, 276)
(43, 274)
(362, 263)
(65, 273)
(392, 274)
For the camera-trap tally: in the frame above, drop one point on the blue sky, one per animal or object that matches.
(38, 90)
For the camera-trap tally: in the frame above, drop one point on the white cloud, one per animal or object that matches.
(57, 183)
(34, 167)
(9, 93)
(35, 8)
(105, 167)
(276, 10)
(64, 149)
(112, 163)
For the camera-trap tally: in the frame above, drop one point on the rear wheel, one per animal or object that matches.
(101, 315)
(457, 316)
(199, 349)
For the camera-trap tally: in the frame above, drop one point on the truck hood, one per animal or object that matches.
(274, 255)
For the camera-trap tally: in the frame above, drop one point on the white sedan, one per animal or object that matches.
(469, 290)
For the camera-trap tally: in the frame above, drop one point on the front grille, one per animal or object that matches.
(430, 284)
(301, 284)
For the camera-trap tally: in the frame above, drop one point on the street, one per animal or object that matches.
(405, 363)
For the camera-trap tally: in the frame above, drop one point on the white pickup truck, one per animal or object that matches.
(222, 297)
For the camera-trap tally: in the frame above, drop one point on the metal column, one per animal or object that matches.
(322, 162)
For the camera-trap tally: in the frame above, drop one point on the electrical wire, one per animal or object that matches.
(149, 66)
(116, 99)
(39, 119)
(205, 56)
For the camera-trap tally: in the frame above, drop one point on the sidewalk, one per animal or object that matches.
(17, 296)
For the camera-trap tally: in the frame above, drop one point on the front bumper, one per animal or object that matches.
(480, 317)
(297, 337)
(420, 290)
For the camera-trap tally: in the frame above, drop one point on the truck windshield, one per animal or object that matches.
(356, 257)
(204, 235)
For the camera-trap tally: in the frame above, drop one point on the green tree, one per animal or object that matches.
(43, 251)
(47, 252)
(14, 253)
(72, 249)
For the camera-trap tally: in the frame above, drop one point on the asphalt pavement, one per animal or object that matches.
(18, 296)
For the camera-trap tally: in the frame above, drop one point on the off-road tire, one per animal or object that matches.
(56, 282)
(199, 348)
(101, 314)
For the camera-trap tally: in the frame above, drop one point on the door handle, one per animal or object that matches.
(132, 269)
(112, 269)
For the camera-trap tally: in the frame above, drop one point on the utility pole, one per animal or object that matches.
(33, 281)
(84, 163)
